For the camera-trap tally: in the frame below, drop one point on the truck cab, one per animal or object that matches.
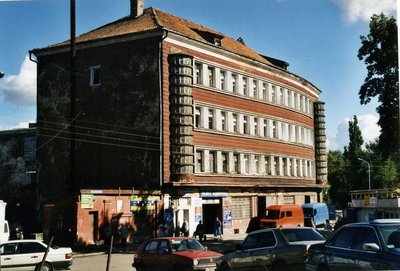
(290, 215)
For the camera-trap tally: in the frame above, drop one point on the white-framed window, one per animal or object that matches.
(212, 165)
(211, 76)
(95, 76)
(222, 76)
(211, 119)
(274, 129)
(264, 91)
(273, 94)
(199, 161)
(267, 168)
(233, 82)
(276, 166)
(225, 160)
(198, 67)
(223, 121)
(254, 92)
(256, 164)
(245, 125)
(244, 85)
(265, 127)
(246, 163)
(235, 163)
(197, 117)
(255, 126)
(235, 122)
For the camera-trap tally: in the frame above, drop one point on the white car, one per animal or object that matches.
(28, 254)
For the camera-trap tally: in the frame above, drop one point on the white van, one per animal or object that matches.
(4, 231)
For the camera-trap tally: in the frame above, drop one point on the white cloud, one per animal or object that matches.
(356, 10)
(20, 125)
(20, 89)
(368, 126)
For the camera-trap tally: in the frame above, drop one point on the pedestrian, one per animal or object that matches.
(123, 231)
(184, 229)
(217, 227)
(327, 225)
(200, 231)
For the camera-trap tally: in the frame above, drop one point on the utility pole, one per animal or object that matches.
(72, 99)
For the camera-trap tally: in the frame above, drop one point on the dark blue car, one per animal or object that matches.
(373, 245)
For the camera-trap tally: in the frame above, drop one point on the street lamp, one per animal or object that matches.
(369, 172)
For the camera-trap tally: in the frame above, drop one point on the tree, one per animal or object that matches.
(379, 51)
(352, 152)
(339, 187)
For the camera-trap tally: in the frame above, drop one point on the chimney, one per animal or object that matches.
(136, 8)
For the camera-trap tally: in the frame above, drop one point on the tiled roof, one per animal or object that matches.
(154, 19)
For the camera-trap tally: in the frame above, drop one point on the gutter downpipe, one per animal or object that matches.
(160, 78)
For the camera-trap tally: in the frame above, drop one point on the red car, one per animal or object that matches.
(174, 254)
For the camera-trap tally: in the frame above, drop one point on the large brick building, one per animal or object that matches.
(168, 120)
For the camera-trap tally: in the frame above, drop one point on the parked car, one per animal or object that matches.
(303, 236)
(174, 254)
(28, 254)
(371, 245)
(289, 215)
(273, 249)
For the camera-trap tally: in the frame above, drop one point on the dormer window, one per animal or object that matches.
(217, 41)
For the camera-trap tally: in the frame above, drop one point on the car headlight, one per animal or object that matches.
(195, 261)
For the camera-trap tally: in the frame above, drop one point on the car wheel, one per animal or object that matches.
(323, 268)
(179, 267)
(225, 267)
(279, 266)
(45, 267)
(140, 268)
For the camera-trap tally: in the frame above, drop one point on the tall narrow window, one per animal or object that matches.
(265, 127)
(224, 158)
(211, 161)
(246, 163)
(255, 126)
(280, 95)
(276, 166)
(245, 124)
(235, 163)
(257, 164)
(222, 78)
(211, 76)
(197, 117)
(95, 76)
(234, 123)
(273, 93)
(264, 91)
(223, 121)
(244, 86)
(274, 130)
(199, 161)
(266, 166)
(199, 74)
(233, 81)
(254, 89)
(210, 119)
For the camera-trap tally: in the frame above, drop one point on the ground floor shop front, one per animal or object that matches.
(101, 214)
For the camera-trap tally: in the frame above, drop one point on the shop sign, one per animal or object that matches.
(213, 194)
(87, 201)
(143, 204)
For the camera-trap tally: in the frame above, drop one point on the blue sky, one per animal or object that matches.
(319, 39)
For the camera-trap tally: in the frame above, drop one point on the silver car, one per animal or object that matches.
(273, 249)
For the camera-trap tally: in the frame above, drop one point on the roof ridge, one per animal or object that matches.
(154, 11)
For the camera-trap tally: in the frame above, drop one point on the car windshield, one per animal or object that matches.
(391, 235)
(274, 214)
(301, 234)
(308, 212)
(186, 244)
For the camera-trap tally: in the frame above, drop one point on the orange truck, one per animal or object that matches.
(288, 215)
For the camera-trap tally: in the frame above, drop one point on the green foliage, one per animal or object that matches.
(379, 51)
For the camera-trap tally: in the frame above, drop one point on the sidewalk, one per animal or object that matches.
(225, 245)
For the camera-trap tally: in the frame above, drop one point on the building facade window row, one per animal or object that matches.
(235, 122)
(240, 84)
(238, 163)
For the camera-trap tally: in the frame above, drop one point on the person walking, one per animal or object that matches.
(200, 230)
(184, 229)
(217, 227)
(123, 231)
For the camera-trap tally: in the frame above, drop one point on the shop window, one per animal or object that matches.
(241, 208)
